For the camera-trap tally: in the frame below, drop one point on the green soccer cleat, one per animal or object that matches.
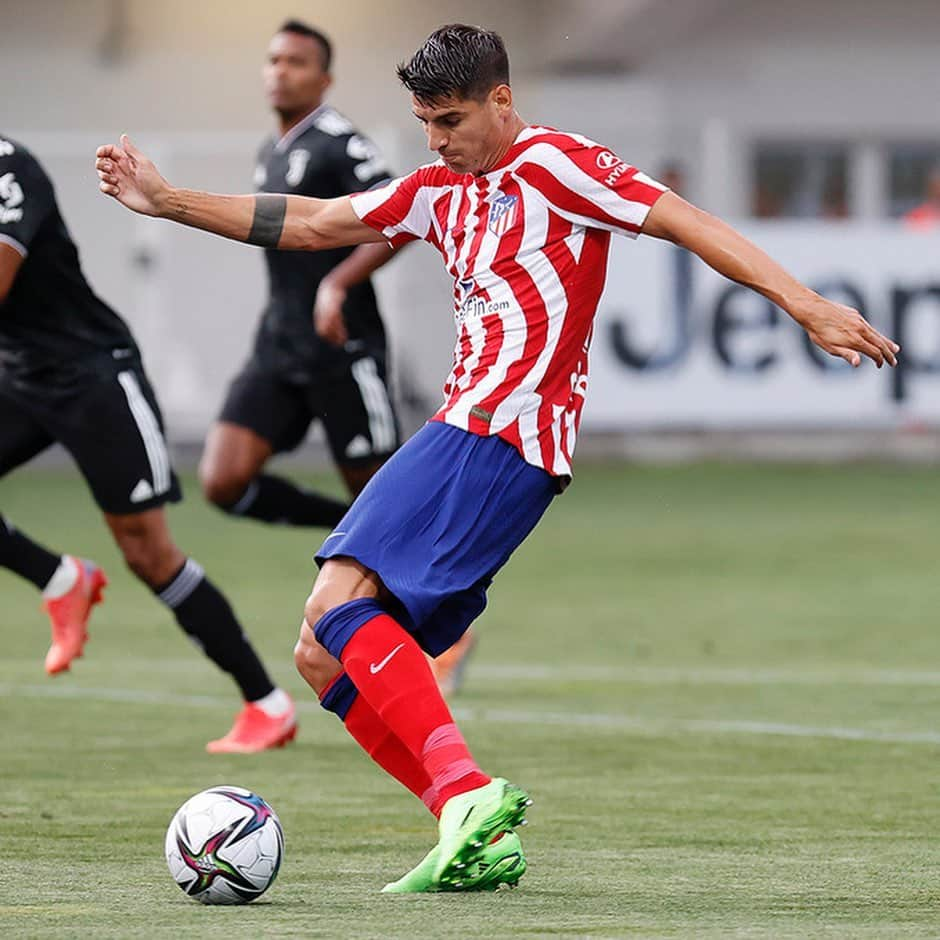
(468, 823)
(502, 862)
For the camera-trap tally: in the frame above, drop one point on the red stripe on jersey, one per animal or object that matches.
(395, 207)
(441, 210)
(480, 214)
(458, 233)
(569, 364)
(464, 349)
(560, 195)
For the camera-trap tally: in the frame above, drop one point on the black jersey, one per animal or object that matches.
(322, 156)
(54, 330)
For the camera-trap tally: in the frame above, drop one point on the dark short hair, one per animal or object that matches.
(303, 29)
(456, 61)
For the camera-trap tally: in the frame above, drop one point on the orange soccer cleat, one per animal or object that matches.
(69, 616)
(255, 730)
(450, 666)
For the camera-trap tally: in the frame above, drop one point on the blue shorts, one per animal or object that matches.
(437, 522)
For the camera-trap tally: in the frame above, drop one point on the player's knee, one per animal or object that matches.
(340, 581)
(148, 549)
(143, 558)
(324, 597)
(313, 662)
(222, 487)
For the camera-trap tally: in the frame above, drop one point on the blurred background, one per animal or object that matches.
(812, 126)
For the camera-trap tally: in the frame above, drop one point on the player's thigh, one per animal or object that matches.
(22, 436)
(359, 418)
(114, 430)
(274, 411)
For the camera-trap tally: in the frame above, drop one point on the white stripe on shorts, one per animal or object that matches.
(150, 432)
(378, 407)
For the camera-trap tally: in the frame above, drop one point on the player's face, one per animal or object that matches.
(467, 134)
(294, 79)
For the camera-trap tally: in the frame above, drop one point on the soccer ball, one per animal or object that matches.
(224, 846)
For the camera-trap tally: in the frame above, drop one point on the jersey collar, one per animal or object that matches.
(299, 128)
(515, 148)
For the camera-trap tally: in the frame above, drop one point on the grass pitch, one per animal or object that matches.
(719, 683)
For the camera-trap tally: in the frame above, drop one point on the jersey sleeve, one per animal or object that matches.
(399, 210)
(358, 164)
(589, 185)
(26, 197)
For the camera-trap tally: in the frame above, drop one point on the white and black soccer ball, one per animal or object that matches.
(224, 846)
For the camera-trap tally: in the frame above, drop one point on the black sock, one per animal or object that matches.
(204, 613)
(24, 557)
(274, 499)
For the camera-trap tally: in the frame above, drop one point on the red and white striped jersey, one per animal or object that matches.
(527, 246)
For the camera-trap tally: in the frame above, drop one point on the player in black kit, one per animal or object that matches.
(334, 372)
(71, 372)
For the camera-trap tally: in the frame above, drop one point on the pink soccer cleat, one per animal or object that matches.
(255, 730)
(69, 616)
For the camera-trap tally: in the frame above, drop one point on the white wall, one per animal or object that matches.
(693, 80)
(179, 65)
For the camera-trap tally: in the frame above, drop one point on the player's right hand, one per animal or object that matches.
(328, 317)
(130, 177)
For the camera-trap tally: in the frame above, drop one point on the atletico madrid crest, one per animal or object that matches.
(503, 214)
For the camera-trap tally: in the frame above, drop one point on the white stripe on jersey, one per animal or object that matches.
(150, 433)
(420, 217)
(570, 175)
(447, 237)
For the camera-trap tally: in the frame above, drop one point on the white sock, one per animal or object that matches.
(274, 703)
(62, 580)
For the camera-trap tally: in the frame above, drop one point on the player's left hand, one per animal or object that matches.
(844, 332)
(328, 317)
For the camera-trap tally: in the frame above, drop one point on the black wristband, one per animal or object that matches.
(268, 221)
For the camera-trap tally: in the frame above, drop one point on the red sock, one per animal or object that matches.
(375, 738)
(392, 674)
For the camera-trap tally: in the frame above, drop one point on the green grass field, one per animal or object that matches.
(721, 685)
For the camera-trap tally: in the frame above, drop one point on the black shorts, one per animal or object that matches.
(353, 404)
(110, 424)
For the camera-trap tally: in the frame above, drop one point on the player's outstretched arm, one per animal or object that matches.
(836, 328)
(272, 221)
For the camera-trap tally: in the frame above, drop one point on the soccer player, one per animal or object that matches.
(336, 372)
(522, 216)
(71, 372)
(296, 374)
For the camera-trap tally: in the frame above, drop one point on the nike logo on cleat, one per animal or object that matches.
(378, 667)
